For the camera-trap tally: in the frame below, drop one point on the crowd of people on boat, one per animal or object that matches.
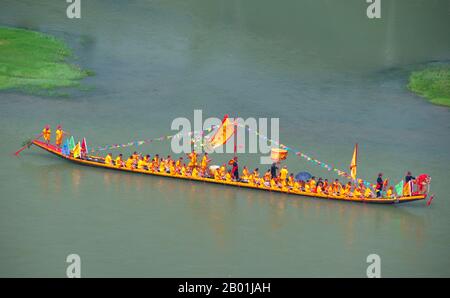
(274, 178)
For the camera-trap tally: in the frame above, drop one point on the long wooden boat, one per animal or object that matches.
(94, 162)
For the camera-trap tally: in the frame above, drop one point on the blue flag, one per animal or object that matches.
(65, 148)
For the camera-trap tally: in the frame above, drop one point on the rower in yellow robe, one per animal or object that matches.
(59, 134)
(245, 174)
(367, 192)
(312, 184)
(192, 159)
(141, 164)
(183, 170)
(389, 191)
(347, 190)
(357, 193)
(135, 156)
(222, 171)
(256, 176)
(291, 181)
(297, 186)
(129, 163)
(47, 134)
(337, 187)
(108, 159)
(195, 173)
(307, 187)
(172, 169)
(205, 162)
(217, 175)
(156, 161)
(119, 161)
(147, 160)
(228, 177)
(162, 166)
(330, 190)
(251, 179)
(179, 163)
(319, 188)
(325, 185)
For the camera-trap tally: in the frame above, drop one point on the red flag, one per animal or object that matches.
(84, 148)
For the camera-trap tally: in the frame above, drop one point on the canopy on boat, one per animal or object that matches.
(304, 176)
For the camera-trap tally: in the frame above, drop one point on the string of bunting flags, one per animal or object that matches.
(196, 139)
(194, 134)
(305, 156)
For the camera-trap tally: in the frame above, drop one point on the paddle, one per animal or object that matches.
(27, 144)
(430, 200)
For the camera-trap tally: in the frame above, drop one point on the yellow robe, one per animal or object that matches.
(59, 136)
(141, 163)
(312, 185)
(273, 184)
(307, 188)
(245, 174)
(46, 133)
(204, 162)
(118, 161)
(129, 163)
(108, 159)
(228, 177)
(389, 193)
(162, 167)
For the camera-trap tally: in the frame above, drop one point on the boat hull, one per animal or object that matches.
(56, 151)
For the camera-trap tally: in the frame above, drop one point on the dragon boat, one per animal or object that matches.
(96, 161)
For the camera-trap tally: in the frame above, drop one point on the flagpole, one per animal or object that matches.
(235, 139)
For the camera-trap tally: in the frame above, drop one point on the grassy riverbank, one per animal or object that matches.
(35, 62)
(432, 83)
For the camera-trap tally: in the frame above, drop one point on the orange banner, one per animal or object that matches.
(223, 134)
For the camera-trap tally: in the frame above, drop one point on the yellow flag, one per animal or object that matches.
(224, 132)
(77, 150)
(353, 163)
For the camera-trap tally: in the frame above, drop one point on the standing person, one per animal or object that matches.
(205, 162)
(284, 175)
(193, 159)
(47, 133)
(273, 170)
(409, 177)
(409, 180)
(379, 186)
(59, 134)
(235, 169)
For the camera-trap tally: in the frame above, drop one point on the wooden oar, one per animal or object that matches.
(27, 145)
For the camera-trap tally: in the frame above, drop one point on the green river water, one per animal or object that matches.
(330, 74)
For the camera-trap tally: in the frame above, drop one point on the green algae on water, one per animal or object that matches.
(35, 62)
(432, 83)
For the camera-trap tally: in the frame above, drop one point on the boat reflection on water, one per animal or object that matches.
(224, 209)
